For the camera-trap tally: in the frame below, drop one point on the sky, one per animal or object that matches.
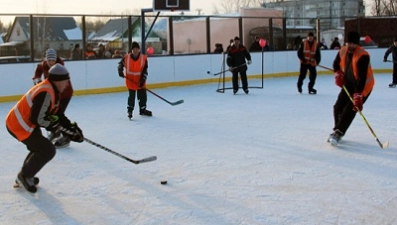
(257, 159)
(96, 6)
(92, 7)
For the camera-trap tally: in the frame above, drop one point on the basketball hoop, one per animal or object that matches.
(171, 5)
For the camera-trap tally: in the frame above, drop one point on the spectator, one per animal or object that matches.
(108, 52)
(255, 46)
(218, 48)
(231, 43)
(335, 44)
(101, 51)
(117, 54)
(76, 52)
(89, 52)
(323, 45)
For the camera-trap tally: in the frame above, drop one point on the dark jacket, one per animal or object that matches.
(255, 47)
(335, 45)
(236, 56)
(392, 49)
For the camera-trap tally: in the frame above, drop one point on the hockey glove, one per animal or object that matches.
(339, 78)
(142, 80)
(121, 74)
(249, 62)
(358, 102)
(384, 60)
(74, 133)
(54, 123)
(36, 80)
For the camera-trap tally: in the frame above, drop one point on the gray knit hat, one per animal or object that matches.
(51, 54)
(58, 73)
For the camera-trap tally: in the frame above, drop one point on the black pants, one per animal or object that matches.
(41, 152)
(142, 99)
(312, 75)
(243, 75)
(394, 73)
(343, 111)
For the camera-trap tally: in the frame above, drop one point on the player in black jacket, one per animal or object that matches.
(392, 49)
(236, 61)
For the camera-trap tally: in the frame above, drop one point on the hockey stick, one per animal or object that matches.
(147, 159)
(158, 96)
(382, 145)
(216, 74)
(392, 61)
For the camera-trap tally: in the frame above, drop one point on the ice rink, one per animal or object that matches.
(229, 159)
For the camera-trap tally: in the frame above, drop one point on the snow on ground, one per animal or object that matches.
(260, 158)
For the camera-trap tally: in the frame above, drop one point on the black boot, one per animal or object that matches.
(129, 112)
(27, 182)
(299, 88)
(312, 91)
(145, 112)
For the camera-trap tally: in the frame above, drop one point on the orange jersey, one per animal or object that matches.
(18, 119)
(310, 52)
(358, 52)
(133, 70)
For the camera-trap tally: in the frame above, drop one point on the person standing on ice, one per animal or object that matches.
(134, 67)
(310, 56)
(236, 56)
(392, 49)
(39, 107)
(353, 71)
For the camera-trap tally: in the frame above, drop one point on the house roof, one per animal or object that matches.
(116, 28)
(52, 28)
(113, 29)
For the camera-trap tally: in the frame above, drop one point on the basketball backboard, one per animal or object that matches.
(171, 5)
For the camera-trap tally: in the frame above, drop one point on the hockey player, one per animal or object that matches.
(42, 68)
(39, 107)
(310, 56)
(392, 49)
(354, 72)
(134, 67)
(236, 56)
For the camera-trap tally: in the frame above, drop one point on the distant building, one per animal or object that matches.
(60, 33)
(332, 13)
(115, 34)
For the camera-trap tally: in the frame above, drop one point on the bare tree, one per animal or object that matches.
(384, 8)
(231, 6)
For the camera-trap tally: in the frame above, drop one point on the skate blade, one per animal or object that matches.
(333, 142)
(16, 185)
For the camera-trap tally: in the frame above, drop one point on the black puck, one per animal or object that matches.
(163, 182)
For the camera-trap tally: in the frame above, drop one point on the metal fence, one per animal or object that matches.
(31, 34)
